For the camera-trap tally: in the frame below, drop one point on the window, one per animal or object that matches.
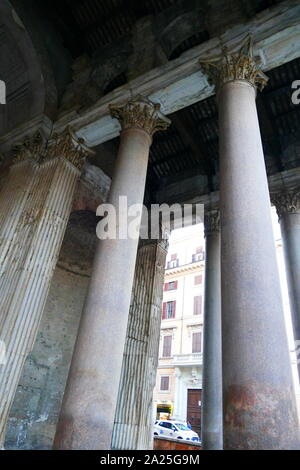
(196, 342)
(174, 262)
(172, 285)
(165, 424)
(199, 255)
(169, 309)
(167, 346)
(198, 305)
(164, 384)
(198, 280)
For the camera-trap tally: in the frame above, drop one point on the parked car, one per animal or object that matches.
(174, 430)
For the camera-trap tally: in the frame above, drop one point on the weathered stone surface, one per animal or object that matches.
(258, 396)
(32, 250)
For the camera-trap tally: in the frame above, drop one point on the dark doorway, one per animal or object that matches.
(194, 409)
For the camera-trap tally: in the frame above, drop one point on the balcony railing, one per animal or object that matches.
(194, 359)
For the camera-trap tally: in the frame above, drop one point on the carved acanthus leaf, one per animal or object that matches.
(31, 147)
(68, 146)
(286, 201)
(241, 65)
(140, 113)
(211, 221)
(65, 145)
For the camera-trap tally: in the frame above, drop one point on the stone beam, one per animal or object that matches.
(180, 83)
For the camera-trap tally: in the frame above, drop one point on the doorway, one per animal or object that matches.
(194, 409)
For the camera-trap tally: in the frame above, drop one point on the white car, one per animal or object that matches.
(174, 430)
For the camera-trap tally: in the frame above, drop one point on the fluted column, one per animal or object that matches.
(212, 416)
(259, 408)
(287, 203)
(133, 427)
(31, 257)
(14, 193)
(89, 404)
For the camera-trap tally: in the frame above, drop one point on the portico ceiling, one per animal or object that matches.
(191, 143)
(190, 146)
(88, 25)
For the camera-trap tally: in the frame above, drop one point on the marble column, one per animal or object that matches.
(88, 410)
(133, 427)
(259, 408)
(287, 203)
(32, 254)
(212, 415)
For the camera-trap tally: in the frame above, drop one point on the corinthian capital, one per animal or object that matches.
(286, 201)
(211, 221)
(241, 65)
(31, 148)
(68, 146)
(140, 113)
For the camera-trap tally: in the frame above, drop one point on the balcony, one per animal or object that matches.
(194, 359)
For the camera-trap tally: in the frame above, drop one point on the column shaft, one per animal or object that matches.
(89, 404)
(258, 395)
(88, 408)
(212, 413)
(133, 427)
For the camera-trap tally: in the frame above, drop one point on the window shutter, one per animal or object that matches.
(175, 284)
(166, 286)
(196, 342)
(164, 312)
(198, 279)
(197, 305)
(164, 383)
(167, 346)
(174, 308)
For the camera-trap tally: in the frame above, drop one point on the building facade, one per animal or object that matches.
(179, 375)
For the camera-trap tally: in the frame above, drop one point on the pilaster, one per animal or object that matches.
(33, 247)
